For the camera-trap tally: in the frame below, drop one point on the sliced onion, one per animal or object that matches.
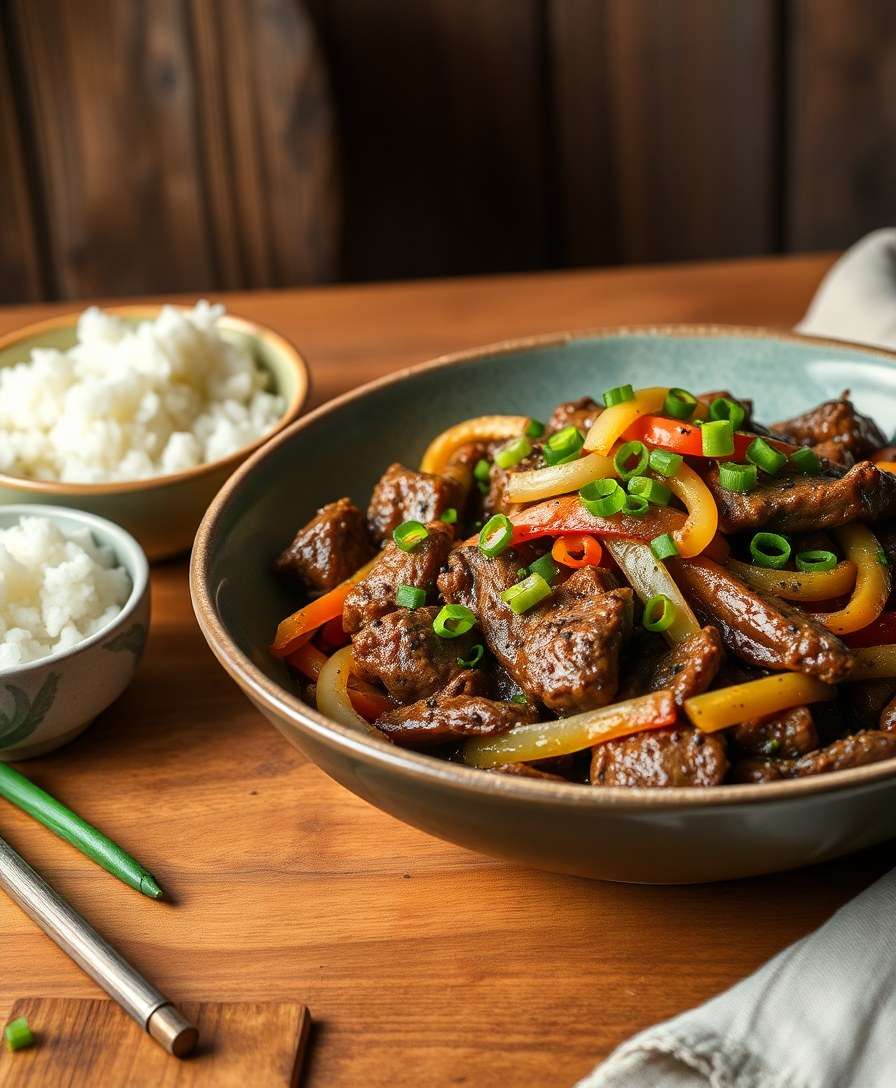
(648, 576)
(479, 429)
(332, 695)
(544, 483)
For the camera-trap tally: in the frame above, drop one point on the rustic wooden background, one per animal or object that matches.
(209, 144)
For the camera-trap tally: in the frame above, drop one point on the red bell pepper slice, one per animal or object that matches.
(685, 438)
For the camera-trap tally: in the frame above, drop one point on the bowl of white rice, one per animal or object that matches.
(74, 615)
(140, 413)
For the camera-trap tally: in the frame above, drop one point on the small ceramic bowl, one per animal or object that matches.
(161, 512)
(50, 701)
(672, 835)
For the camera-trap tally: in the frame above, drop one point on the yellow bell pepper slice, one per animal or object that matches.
(873, 663)
(756, 698)
(702, 521)
(872, 587)
(612, 422)
(798, 585)
(479, 429)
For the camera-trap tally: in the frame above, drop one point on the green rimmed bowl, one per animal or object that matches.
(48, 702)
(655, 836)
(162, 512)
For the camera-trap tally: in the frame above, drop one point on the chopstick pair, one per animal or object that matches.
(24, 794)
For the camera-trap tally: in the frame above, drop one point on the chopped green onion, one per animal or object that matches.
(659, 612)
(737, 477)
(474, 658)
(625, 454)
(815, 559)
(806, 461)
(563, 446)
(635, 506)
(766, 457)
(618, 395)
(519, 699)
(522, 573)
(717, 437)
(883, 558)
(602, 498)
(665, 463)
(771, 747)
(524, 595)
(726, 408)
(770, 550)
(663, 546)
(513, 452)
(482, 470)
(496, 535)
(534, 429)
(652, 490)
(679, 403)
(409, 534)
(410, 597)
(453, 620)
(546, 567)
(17, 1034)
(449, 516)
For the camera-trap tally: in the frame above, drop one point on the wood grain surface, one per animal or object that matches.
(88, 1043)
(421, 963)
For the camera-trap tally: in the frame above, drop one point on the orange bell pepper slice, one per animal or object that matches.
(577, 551)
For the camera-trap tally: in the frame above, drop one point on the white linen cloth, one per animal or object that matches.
(822, 1013)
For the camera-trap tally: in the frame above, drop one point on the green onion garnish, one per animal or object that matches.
(524, 595)
(17, 1034)
(815, 559)
(665, 463)
(806, 461)
(663, 546)
(513, 452)
(726, 408)
(409, 534)
(474, 658)
(618, 395)
(659, 612)
(410, 597)
(449, 516)
(496, 535)
(563, 446)
(635, 506)
(717, 436)
(770, 550)
(453, 620)
(631, 459)
(534, 429)
(546, 567)
(766, 457)
(482, 470)
(883, 558)
(519, 699)
(679, 403)
(737, 477)
(652, 490)
(602, 498)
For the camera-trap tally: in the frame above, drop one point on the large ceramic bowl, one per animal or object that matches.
(662, 835)
(50, 701)
(161, 512)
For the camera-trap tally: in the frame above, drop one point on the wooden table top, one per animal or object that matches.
(422, 963)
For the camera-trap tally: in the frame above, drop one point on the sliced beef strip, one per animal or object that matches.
(497, 500)
(405, 495)
(526, 770)
(402, 652)
(374, 596)
(685, 669)
(460, 710)
(856, 750)
(782, 736)
(674, 756)
(329, 549)
(563, 652)
(836, 423)
(800, 504)
(579, 413)
(761, 629)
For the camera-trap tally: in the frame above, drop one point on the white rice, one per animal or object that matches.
(56, 589)
(127, 403)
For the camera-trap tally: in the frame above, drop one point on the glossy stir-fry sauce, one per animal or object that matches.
(652, 591)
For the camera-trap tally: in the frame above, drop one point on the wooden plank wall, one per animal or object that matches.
(203, 144)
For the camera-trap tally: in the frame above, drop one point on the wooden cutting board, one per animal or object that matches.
(85, 1043)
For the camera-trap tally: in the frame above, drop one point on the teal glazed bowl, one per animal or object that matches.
(647, 835)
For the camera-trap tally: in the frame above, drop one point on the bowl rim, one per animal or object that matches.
(113, 536)
(148, 311)
(424, 768)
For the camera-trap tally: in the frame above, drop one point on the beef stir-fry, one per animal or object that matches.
(656, 591)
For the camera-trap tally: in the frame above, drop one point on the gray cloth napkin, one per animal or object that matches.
(822, 1013)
